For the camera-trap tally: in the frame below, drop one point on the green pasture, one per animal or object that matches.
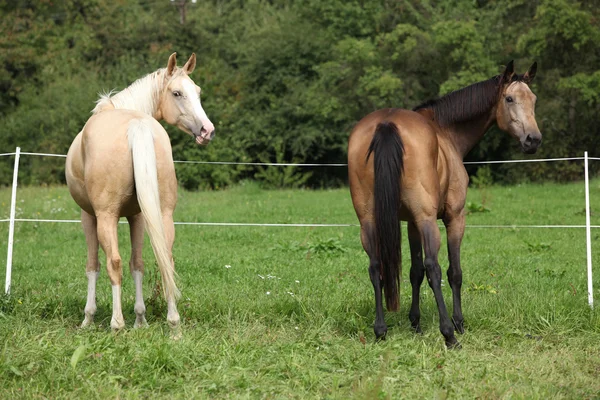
(287, 312)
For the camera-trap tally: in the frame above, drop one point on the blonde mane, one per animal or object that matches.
(142, 95)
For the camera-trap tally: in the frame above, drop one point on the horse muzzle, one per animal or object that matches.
(207, 133)
(531, 143)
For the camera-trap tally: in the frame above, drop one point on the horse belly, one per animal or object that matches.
(130, 206)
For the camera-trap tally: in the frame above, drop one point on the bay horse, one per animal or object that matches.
(120, 165)
(408, 165)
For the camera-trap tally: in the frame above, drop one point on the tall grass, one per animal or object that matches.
(288, 312)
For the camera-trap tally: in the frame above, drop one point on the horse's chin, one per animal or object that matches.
(202, 141)
(530, 150)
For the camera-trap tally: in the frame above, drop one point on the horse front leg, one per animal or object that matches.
(417, 274)
(455, 228)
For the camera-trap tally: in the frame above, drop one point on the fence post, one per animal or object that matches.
(11, 227)
(588, 235)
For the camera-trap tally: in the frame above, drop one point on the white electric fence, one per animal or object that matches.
(587, 225)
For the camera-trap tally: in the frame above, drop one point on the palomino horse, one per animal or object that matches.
(120, 165)
(407, 165)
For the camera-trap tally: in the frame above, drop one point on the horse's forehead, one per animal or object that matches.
(189, 86)
(181, 80)
(518, 87)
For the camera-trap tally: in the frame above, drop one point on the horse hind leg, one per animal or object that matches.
(107, 236)
(367, 236)
(92, 267)
(430, 236)
(173, 317)
(417, 274)
(136, 267)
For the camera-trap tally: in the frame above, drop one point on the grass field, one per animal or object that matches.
(288, 312)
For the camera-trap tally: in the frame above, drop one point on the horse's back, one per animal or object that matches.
(418, 135)
(100, 162)
(105, 134)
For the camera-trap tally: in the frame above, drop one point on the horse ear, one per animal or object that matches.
(172, 64)
(189, 66)
(530, 74)
(509, 71)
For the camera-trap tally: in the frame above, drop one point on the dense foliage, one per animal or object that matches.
(287, 79)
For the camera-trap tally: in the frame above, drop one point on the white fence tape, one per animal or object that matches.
(321, 165)
(260, 163)
(587, 226)
(523, 161)
(73, 221)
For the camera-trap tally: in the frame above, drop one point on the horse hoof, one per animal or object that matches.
(87, 323)
(140, 323)
(415, 323)
(453, 344)
(380, 333)
(459, 325)
(116, 325)
(417, 329)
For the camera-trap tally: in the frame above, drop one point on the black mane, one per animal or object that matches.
(466, 103)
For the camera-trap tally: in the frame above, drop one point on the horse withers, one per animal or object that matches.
(120, 165)
(408, 165)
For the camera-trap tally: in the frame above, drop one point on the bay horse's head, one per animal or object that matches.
(515, 111)
(180, 101)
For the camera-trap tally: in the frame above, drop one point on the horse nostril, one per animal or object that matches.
(532, 140)
(212, 134)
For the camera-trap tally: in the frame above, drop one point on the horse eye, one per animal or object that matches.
(509, 99)
(176, 93)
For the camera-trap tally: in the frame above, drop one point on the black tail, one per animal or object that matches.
(388, 149)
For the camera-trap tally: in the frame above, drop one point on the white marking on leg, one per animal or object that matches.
(140, 307)
(90, 305)
(117, 322)
(173, 319)
(172, 313)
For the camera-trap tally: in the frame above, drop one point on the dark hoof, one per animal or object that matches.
(453, 344)
(459, 325)
(380, 332)
(415, 323)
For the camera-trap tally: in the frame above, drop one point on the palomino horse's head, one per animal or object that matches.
(515, 112)
(180, 102)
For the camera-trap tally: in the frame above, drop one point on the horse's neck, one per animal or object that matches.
(143, 95)
(467, 134)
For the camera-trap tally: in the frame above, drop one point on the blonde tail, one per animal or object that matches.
(141, 142)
